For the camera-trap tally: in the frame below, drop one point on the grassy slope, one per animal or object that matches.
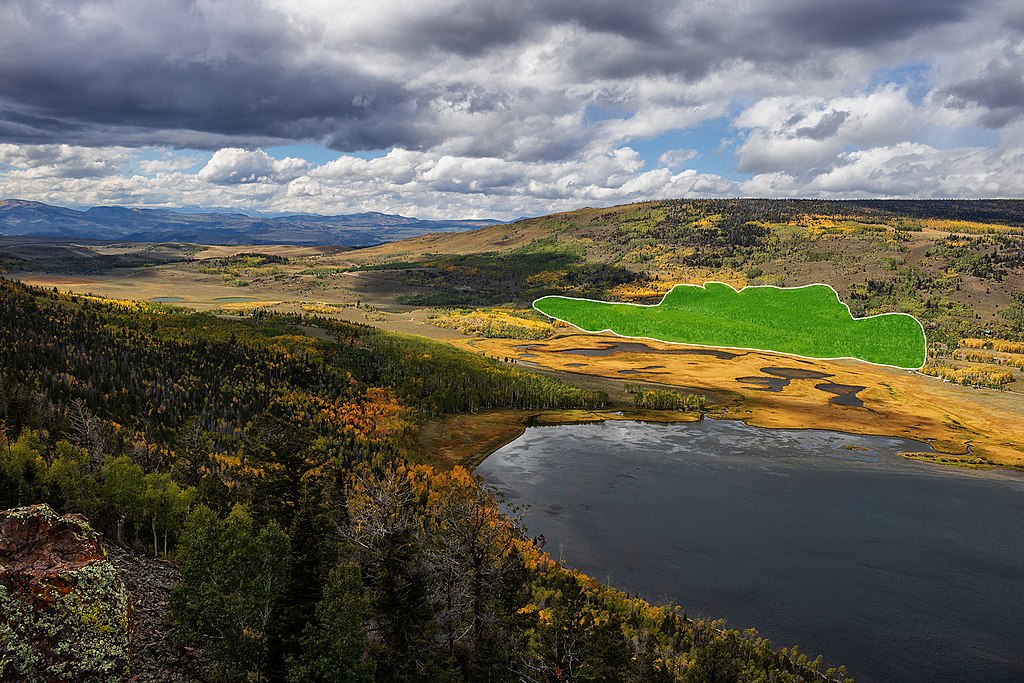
(807, 321)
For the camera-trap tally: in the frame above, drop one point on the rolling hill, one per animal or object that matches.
(958, 266)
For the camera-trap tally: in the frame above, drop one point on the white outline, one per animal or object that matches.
(738, 348)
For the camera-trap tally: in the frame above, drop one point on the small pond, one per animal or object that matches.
(844, 394)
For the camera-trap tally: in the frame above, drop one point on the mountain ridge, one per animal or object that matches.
(26, 218)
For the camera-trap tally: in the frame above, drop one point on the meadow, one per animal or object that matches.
(807, 321)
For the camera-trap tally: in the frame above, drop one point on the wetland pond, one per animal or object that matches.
(902, 570)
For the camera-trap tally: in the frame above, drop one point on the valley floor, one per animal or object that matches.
(966, 426)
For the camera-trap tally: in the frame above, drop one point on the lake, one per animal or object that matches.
(901, 570)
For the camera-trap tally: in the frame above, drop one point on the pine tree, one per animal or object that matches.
(334, 644)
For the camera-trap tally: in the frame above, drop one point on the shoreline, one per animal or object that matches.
(506, 426)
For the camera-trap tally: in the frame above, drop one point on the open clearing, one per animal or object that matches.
(807, 321)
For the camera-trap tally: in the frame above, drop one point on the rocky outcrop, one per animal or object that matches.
(65, 614)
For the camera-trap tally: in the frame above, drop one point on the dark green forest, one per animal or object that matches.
(274, 460)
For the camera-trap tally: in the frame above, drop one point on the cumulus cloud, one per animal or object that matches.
(795, 134)
(905, 170)
(167, 162)
(487, 185)
(233, 166)
(676, 158)
(432, 185)
(63, 161)
(402, 181)
(501, 107)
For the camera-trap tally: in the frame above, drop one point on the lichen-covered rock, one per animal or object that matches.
(64, 612)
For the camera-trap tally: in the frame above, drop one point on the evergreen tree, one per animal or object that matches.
(384, 524)
(233, 575)
(334, 644)
(70, 485)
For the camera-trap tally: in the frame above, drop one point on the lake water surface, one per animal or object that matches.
(901, 570)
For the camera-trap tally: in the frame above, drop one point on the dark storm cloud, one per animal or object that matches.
(475, 27)
(840, 23)
(241, 73)
(89, 75)
(999, 90)
(776, 36)
(644, 20)
(167, 68)
(21, 127)
(468, 31)
(825, 128)
(228, 97)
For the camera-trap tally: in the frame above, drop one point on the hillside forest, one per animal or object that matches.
(274, 460)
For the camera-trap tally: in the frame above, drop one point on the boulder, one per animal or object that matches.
(65, 614)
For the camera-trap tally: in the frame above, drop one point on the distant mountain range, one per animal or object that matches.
(20, 218)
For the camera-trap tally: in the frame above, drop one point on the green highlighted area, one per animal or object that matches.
(806, 321)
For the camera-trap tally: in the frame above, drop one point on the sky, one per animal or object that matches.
(506, 108)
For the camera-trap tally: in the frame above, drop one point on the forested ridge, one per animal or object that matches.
(277, 470)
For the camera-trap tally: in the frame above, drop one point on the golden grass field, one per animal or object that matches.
(967, 426)
(336, 296)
